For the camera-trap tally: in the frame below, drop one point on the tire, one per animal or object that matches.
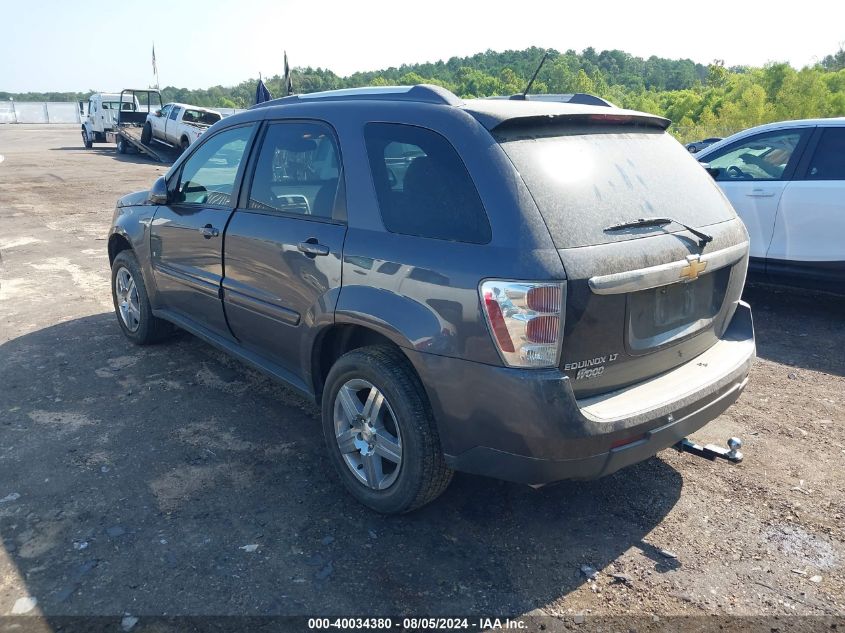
(131, 303)
(86, 140)
(403, 427)
(147, 134)
(121, 146)
(184, 145)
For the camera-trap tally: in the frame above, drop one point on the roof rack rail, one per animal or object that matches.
(423, 93)
(581, 98)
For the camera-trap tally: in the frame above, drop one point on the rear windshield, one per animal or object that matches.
(585, 179)
(200, 116)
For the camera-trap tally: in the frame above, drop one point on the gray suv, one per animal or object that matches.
(527, 290)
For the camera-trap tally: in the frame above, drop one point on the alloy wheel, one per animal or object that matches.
(128, 303)
(367, 434)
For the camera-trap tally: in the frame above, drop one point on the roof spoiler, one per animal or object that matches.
(617, 117)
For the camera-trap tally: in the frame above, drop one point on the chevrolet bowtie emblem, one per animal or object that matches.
(693, 269)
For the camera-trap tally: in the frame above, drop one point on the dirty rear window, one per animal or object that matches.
(585, 179)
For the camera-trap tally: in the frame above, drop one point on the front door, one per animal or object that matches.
(171, 129)
(157, 123)
(753, 173)
(186, 236)
(284, 243)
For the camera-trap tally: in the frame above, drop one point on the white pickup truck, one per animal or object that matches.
(178, 124)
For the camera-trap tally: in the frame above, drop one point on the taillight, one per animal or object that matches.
(525, 320)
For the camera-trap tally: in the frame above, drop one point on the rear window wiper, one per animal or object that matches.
(703, 238)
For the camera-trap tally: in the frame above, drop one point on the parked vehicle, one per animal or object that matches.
(787, 182)
(462, 285)
(178, 124)
(102, 116)
(697, 146)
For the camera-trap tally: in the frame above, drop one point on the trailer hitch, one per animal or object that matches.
(711, 451)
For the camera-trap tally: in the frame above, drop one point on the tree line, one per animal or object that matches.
(701, 100)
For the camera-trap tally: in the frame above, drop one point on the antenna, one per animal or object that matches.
(534, 76)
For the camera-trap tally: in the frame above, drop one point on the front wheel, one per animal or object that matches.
(184, 145)
(86, 140)
(131, 303)
(121, 145)
(380, 432)
(147, 134)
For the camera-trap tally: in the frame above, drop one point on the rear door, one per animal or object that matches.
(640, 300)
(807, 240)
(285, 241)
(753, 173)
(186, 236)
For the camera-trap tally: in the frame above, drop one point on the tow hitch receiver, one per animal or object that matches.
(711, 451)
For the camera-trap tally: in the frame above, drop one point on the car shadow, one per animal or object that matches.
(111, 152)
(171, 479)
(799, 328)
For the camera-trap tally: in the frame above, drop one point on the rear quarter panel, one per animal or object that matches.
(422, 292)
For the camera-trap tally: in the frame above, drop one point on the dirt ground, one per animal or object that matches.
(172, 480)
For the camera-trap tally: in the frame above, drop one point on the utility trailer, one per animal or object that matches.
(135, 105)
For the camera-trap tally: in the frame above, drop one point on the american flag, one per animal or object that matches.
(155, 69)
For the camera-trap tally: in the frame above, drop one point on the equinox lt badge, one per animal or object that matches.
(591, 367)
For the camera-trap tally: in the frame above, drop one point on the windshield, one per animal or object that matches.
(585, 179)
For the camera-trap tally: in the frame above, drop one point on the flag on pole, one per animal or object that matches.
(261, 92)
(155, 67)
(288, 85)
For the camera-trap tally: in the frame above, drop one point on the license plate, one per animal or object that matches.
(676, 303)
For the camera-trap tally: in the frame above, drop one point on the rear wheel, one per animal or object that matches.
(147, 134)
(380, 432)
(131, 303)
(121, 145)
(184, 144)
(86, 140)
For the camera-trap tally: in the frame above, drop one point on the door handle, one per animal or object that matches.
(312, 247)
(760, 193)
(209, 231)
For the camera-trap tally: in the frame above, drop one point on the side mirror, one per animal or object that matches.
(158, 193)
(157, 112)
(713, 171)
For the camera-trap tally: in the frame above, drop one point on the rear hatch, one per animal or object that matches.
(640, 300)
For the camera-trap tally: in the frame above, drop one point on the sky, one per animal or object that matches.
(61, 45)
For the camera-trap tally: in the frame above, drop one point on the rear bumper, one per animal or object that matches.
(528, 427)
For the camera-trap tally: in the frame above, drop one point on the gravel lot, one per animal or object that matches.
(173, 480)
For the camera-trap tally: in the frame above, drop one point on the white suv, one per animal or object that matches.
(787, 182)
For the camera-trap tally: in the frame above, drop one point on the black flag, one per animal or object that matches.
(261, 92)
(288, 82)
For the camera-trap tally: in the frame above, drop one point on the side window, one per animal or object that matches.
(208, 175)
(165, 111)
(422, 186)
(828, 161)
(174, 112)
(297, 170)
(763, 157)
